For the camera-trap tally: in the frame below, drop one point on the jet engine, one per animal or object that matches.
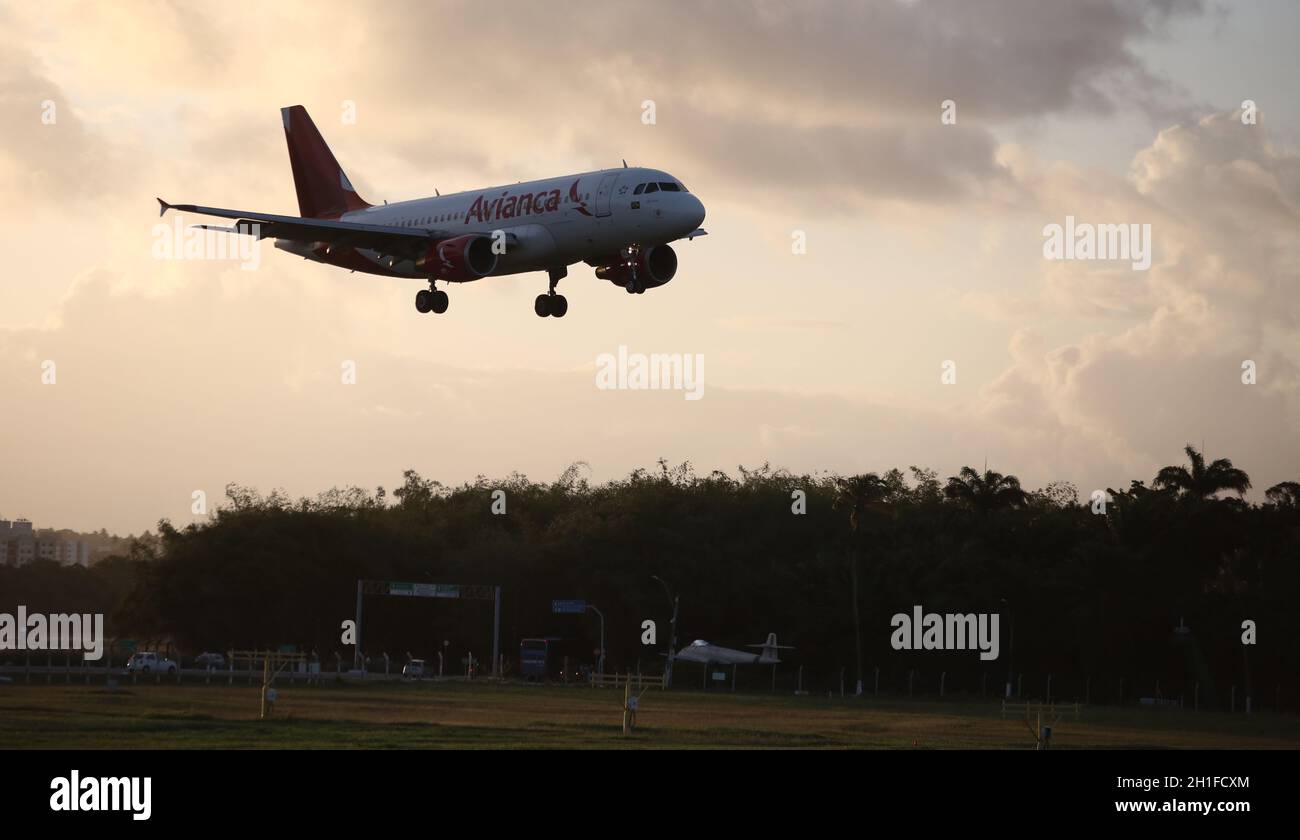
(651, 266)
(461, 258)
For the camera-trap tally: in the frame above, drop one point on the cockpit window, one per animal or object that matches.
(649, 188)
(639, 188)
(669, 187)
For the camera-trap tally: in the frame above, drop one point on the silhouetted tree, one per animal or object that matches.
(1202, 481)
(1284, 494)
(988, 492)
(857, 494)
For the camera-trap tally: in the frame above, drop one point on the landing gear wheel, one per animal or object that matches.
(559, 305)
(439, 302)
(423, 301)
(542, 306)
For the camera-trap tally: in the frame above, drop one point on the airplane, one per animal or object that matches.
(619, 221)
(703, 652)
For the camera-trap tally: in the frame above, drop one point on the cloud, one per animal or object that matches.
(48, 154)
(1226, 203)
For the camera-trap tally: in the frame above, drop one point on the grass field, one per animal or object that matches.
(484, 715)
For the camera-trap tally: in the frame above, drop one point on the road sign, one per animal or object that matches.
(568, 606)
(423, 590)
(476, 592)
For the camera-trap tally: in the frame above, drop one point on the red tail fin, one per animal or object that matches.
(323, 189)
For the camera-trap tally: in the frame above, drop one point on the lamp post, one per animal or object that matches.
(600, 661)
(672, 636)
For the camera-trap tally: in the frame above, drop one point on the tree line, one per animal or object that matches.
(1154, 590)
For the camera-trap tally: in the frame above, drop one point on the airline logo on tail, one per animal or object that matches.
(324, 191)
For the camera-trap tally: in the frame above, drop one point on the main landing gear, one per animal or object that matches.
(431, 300)
(551, 303)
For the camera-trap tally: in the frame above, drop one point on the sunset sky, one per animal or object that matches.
(924, 243)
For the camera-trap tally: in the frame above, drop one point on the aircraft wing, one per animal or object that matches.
(389, 240)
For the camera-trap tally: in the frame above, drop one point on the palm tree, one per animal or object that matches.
(1202, 481)
(857, 494)
(988, 492)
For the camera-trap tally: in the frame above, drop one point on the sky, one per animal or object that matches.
(130, 382)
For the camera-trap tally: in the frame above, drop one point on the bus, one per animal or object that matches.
(544, 659)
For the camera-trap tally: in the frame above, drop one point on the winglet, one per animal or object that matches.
(163, 207)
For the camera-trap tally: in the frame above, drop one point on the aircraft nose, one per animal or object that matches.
(694, 211)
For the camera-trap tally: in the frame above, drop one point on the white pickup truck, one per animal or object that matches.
(147, 661)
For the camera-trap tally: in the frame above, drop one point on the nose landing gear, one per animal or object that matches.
(634, 284)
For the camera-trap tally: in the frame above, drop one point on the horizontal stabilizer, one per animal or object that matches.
(771, 644)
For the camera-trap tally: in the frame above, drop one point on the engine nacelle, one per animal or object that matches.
(655, 265)
(461, 258)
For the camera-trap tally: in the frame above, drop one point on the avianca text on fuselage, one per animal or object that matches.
(511, 206)
(619, 221)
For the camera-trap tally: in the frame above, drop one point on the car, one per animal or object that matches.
(415, 670)
(146, 661)
(207, 660)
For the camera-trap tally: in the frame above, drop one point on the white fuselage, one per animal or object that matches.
(543, 224)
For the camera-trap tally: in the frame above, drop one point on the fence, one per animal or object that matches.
(636, 681)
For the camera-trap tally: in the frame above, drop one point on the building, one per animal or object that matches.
(20, 545)
(47, 548)
(16, 528)
(74, 553)
(22, 550)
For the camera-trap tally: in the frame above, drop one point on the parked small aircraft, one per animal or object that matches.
(701, 651)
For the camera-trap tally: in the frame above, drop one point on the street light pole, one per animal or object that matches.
(672, 637)
(600, 661)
